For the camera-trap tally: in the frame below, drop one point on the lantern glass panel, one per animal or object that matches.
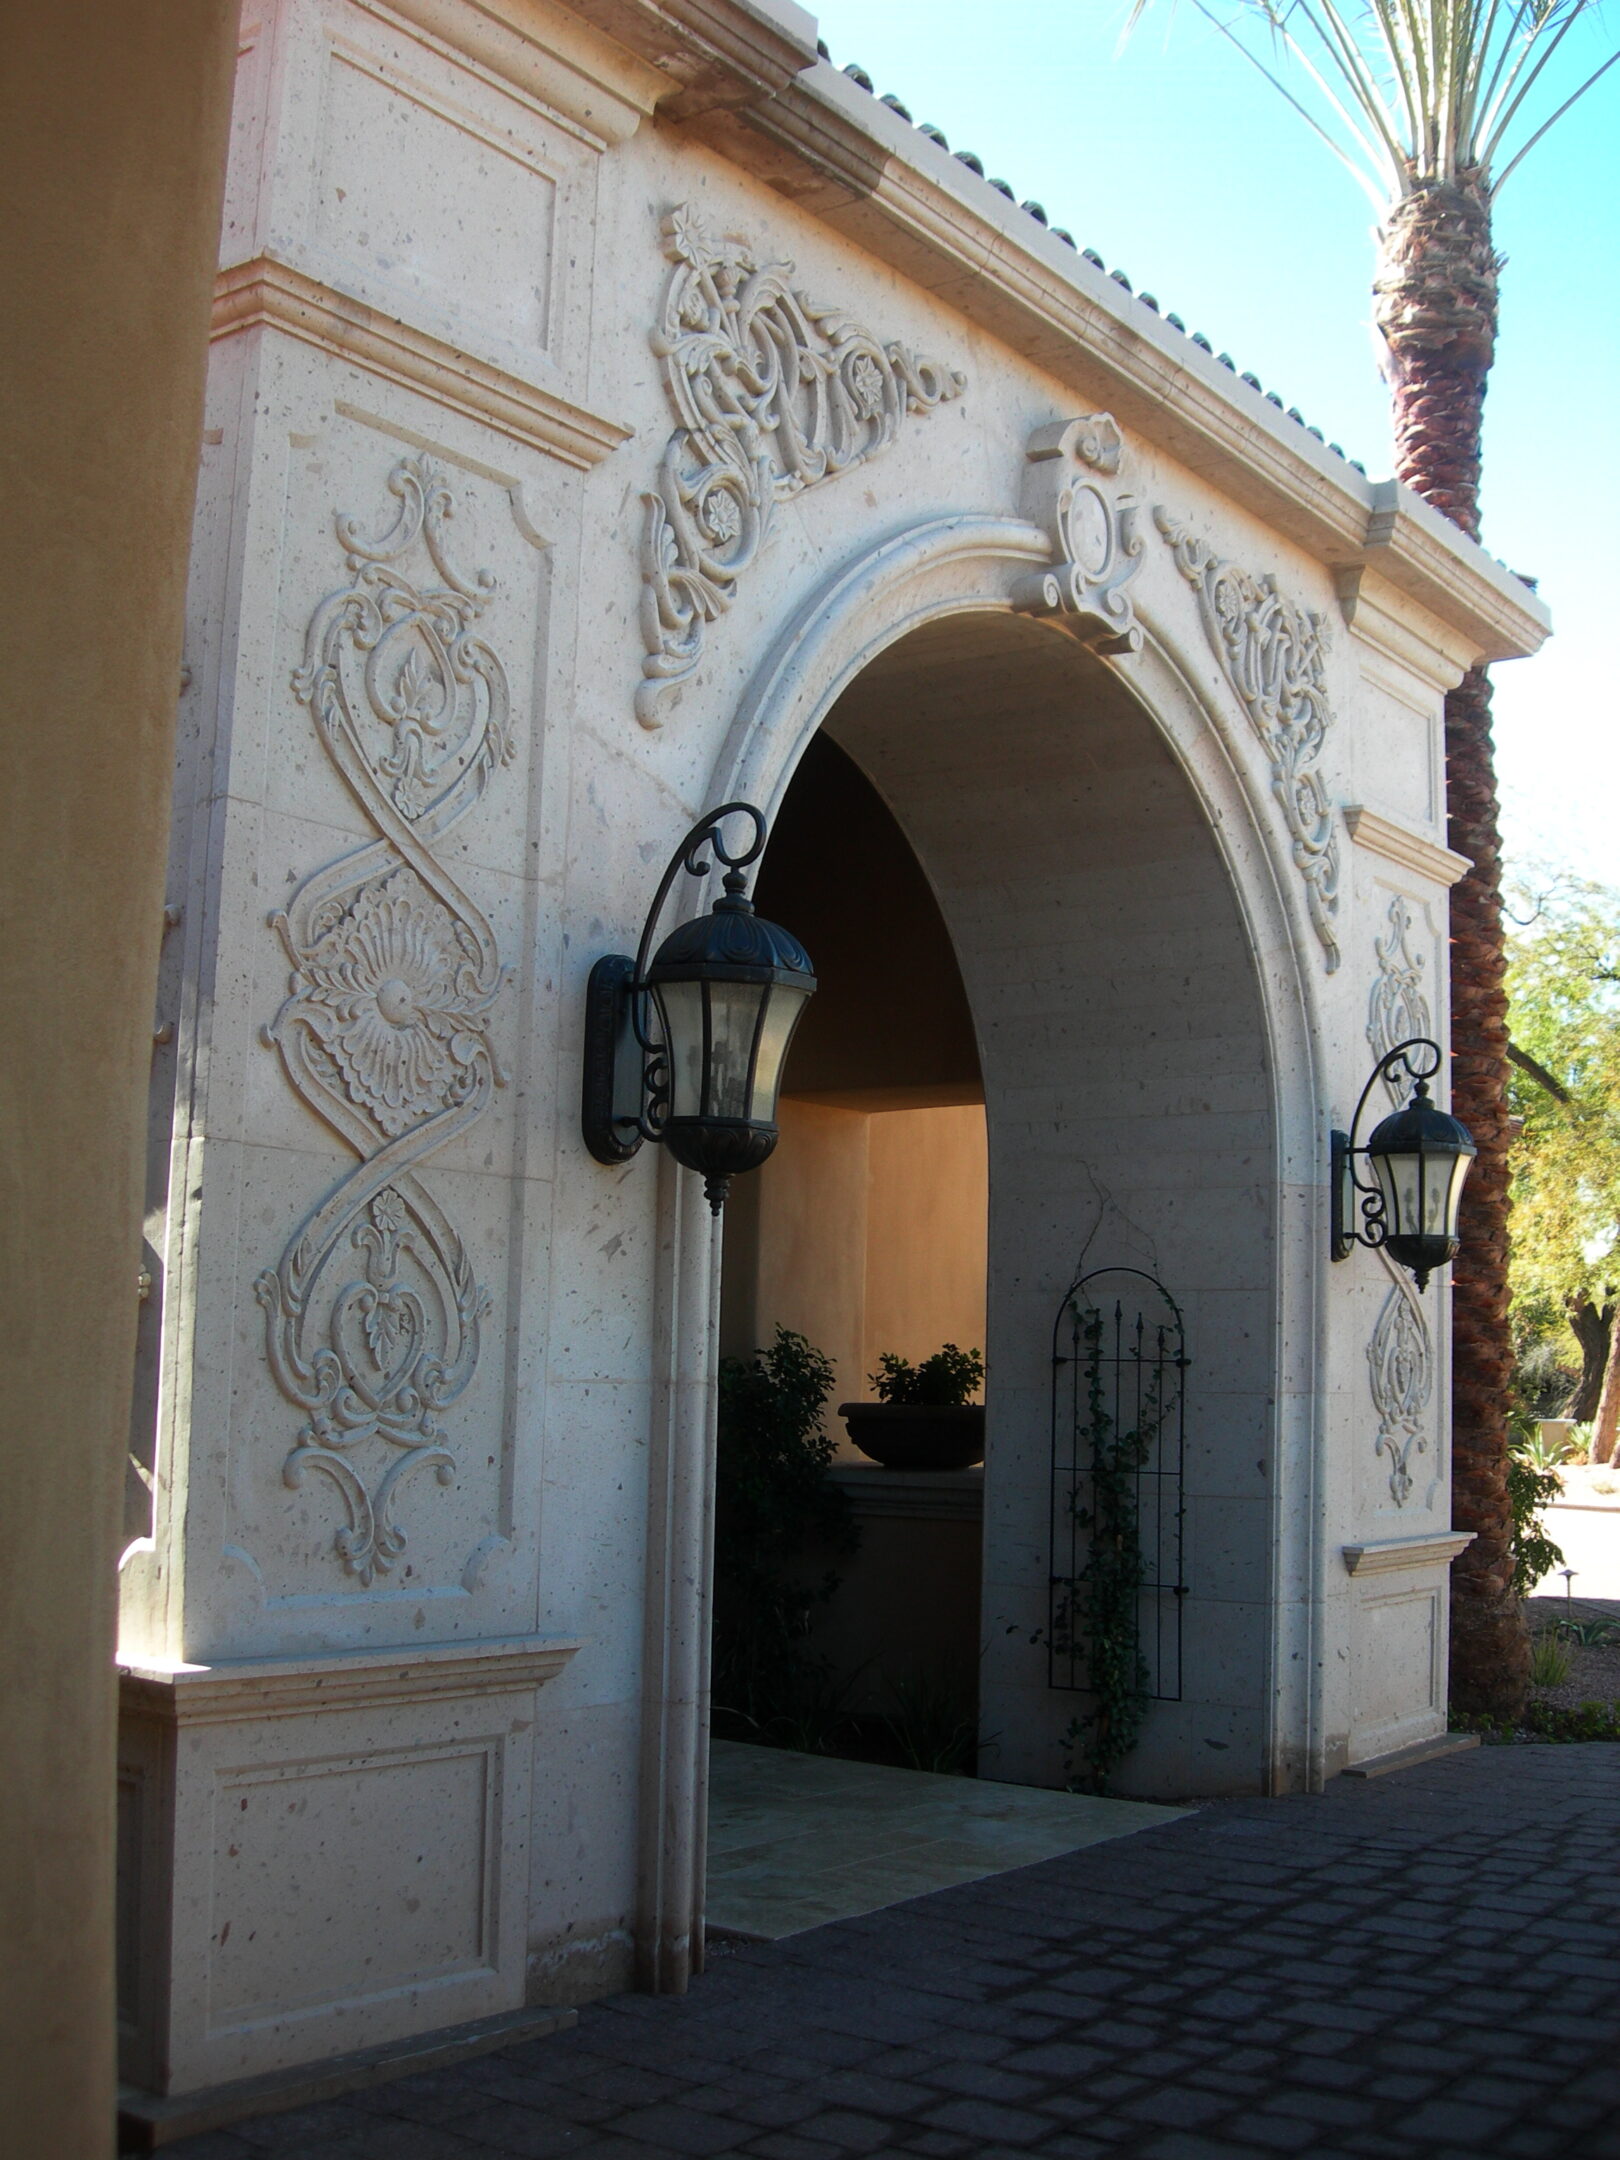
(781, 1018)
(1421, 1188)
(733, 1020)
(680, 1007)
(1459, 1178)
(1404, 1187)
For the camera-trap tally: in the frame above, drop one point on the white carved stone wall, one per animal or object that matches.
(428, 1388)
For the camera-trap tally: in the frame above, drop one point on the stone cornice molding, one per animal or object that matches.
(267, 291)
(1413, 851)
(236, 1688)
(714, 54)
(918, 1495)
(1423, 554)
(547, 52)
(1390, 1556)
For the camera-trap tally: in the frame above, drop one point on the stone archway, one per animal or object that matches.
(1119, 913)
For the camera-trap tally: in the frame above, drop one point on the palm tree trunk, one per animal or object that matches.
(1435, 299)
(1490, 1646)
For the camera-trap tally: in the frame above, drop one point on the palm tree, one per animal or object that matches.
(1427, 103)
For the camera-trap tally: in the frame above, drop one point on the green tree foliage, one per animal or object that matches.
(1564, 984)
(775, 1508)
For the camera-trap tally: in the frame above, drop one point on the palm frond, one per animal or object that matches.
(1413, 91)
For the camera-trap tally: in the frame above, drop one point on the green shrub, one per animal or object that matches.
(773, 1501)
(1586, 1721)
(947, 1379)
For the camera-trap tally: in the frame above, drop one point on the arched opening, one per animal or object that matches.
(866, 1235)
(1121, 1027)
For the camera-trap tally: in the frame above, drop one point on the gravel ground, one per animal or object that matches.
(1594, 1674)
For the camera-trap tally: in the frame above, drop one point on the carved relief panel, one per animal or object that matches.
(373, 1314)
(1271, 653)
(1401, 1358)
(773, 392)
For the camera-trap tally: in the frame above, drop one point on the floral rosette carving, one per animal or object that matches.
(1272, 654)
(773, 393)
(384, 1031)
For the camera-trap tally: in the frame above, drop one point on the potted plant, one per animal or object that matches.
(923, 1418)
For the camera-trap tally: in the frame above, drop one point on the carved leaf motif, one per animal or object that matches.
(384, 1031)
(773, 394)
(1399, 1007)
(1400, 1359)
(1271, 653)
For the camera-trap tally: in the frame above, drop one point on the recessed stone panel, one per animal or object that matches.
(349, 1877)
(427, 201)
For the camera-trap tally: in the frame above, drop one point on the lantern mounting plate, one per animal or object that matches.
(614, 1088)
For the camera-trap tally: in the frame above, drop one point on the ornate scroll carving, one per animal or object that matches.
(372, 1315)
(1398, 1009)
(1271, 653)
(774, 392)
(1400, 1359)
(1098, 545)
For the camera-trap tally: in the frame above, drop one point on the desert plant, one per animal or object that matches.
(1549, 1660)
(949, 1378)
(1546, 1454)
(933, 1727)
(1530, 1489)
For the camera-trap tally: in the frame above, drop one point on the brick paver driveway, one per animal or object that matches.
(1424, 1964)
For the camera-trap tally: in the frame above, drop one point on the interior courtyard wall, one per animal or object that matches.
(925, 1232)
(352, 352)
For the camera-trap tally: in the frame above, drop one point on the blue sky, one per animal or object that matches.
(1179, 164)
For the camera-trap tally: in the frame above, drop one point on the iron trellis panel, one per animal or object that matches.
(1118, 1506)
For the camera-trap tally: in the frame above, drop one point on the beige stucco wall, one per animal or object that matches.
(112, 138)
(925, 1230)
(864, 1232)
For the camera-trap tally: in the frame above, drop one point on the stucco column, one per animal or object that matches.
(112, 136)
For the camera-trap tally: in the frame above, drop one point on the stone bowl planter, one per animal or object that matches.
(917, 1436)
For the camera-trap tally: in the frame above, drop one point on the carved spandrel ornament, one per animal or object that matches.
(1272, 654)
(1094, 528)
(774, 393)
(1398, 1008)
(372, 1315)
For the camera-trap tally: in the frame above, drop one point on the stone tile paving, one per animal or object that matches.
(1424, 1964)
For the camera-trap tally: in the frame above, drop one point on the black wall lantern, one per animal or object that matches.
(687, 1045)
(1419, 1159)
